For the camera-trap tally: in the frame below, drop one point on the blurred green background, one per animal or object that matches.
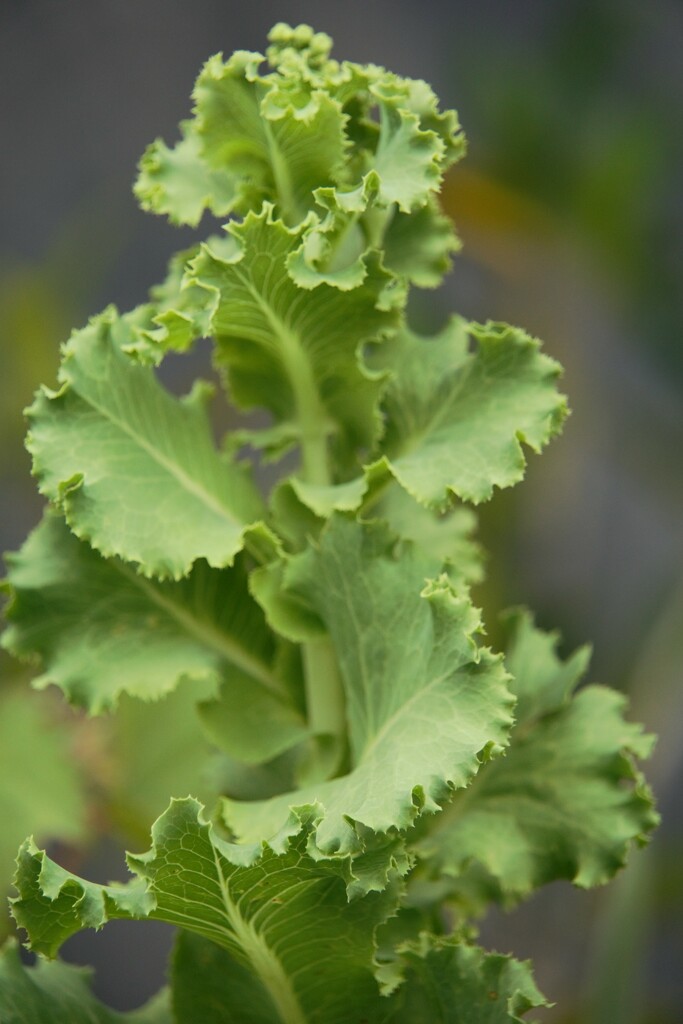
(569, 207)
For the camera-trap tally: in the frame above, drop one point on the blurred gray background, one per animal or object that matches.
(569, 207)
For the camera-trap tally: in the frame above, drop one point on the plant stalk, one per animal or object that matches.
(325, 697)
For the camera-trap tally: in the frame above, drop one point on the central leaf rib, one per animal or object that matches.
(265, 963)
(311, 415)
(220, 642)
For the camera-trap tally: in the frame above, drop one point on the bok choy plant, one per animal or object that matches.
(380, 775)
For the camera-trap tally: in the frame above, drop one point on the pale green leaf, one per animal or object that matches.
(294, 352)
(253, 136)
(416, 246)
(444, 982)
(565, 802)
(411, 145)
(334, 250)
(443, 540)
(254, 723)
(449, 982)
(446, 537)
(209, 985)
(285, 136)
(282, 915)
(407, 159)
(286, 613)
(310, 123)
(177, 314)
(59, 993)
(422, 714)
(541, 682)
(324, 500)
(134, 469)
(419, 245)
(455, 419)
(43, 790)
(180, 183)
(419, 97)
(100, 629)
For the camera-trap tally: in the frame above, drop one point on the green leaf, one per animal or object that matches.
(308, 124)
(180, 183)
(448, 982)
(60, 993)
(421, 99)
(565, 802)
(294, 352)
(283, 135)
(134, 469)
(411, 145)
(407, 159)
(334, 250)
(253, 137)
(46, 793)
(177, 314)
(335, 985)
(455, 420)
(443, 982)
(272, 939)
(254, 723)
(542, 682)
(424, 704)
(207, 981)
(446, 537)
(282, 915)
(101, 629)
(418, 246)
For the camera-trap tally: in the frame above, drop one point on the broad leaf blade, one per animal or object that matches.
(446, 537)
(101, 629)
(281, 914)
(424, 704)
(455, 419)
(449, 982)
(542, 682)
(207, 980)
(419, 245)
(135, 469)
(284, 136)
(444, 982)
(253, 136)
(566, 802)
(294, 352)
(179, 182)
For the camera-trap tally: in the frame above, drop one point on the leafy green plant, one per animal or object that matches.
(378, 777)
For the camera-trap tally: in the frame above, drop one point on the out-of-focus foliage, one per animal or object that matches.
(589, 135)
